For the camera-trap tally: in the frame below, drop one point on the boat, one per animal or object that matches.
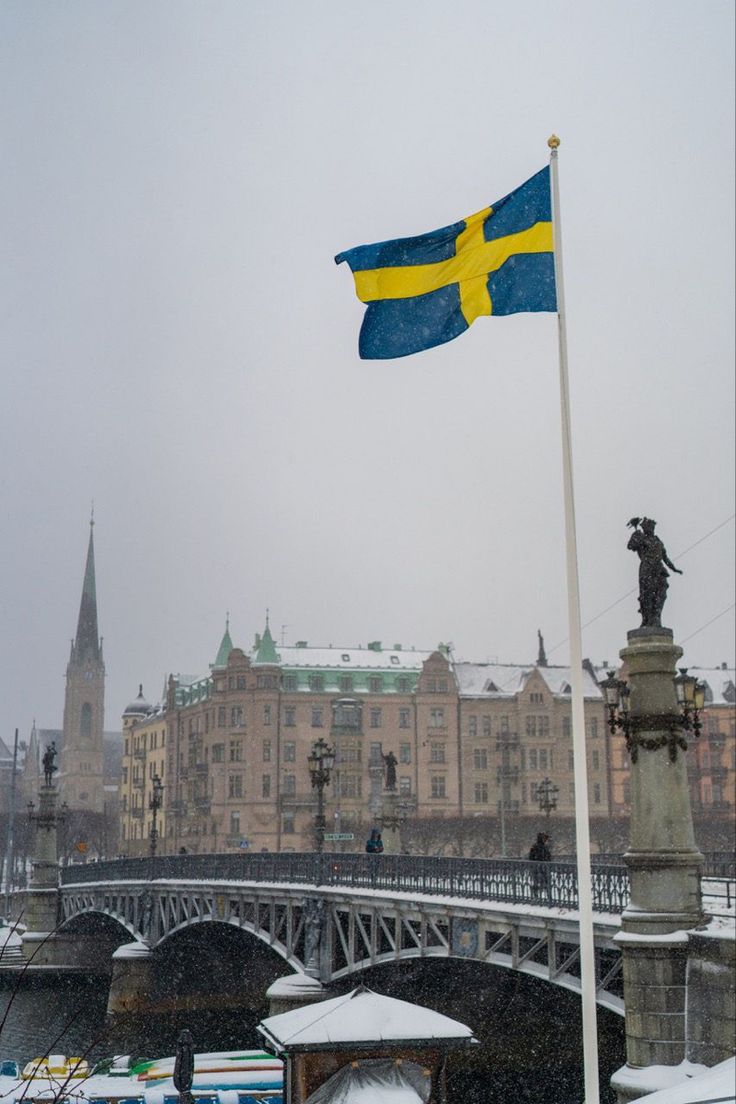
(220, 1077)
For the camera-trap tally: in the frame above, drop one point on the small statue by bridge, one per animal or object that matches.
(390, 762)
(48, 761)
(653, 574)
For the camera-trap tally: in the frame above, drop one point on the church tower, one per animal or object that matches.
(80, 776)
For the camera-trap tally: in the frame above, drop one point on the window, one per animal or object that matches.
(566, 726)
(543, 726)
(236, 751)
(375, 718)
(593, 726)
(436, 753)
(436, 718)
(533, 758)
(234, 785)
(290, 683)
(236, 716)
(316, 682)
(290, 752)
(85, 722)
(289, 716)
(317, 715)
(486, 725)
(403, 718)
(531, 726)
(596, 759)
(267, 682)
(287, 823)
(504, 726)
(437, 786)
(206, 724)
(542, 758)
(480, 758)
(472, 726)
(266, 751)
(405, 753)
(221, 716)
(522, 758)
(481, 793)
(350, 785)
(288, 785)
(267, 714)
(596, 793)
(627, 792)
(402, 684)
(266, 785)
(345, 684)
(536, 697)
(405, 785)
(375, 684)
(240, 682)
(234, 823)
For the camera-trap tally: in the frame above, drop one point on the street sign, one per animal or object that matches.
(334, 837)
(81, 847)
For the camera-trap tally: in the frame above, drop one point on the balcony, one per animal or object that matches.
(507, 774)
(139, 753)
(202, 806)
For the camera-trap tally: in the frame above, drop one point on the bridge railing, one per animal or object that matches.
(510, 881)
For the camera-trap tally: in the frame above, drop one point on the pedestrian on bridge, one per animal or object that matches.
(540, 854)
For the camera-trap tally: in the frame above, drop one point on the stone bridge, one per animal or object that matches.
(333, 915)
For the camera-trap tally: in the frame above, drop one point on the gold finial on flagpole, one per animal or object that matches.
(553, 141)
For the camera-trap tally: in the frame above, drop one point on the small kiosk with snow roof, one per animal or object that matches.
(353, 1047)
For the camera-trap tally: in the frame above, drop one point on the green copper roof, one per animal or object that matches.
(226, 646)
(266, 649)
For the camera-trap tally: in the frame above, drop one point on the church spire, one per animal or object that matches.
(87, 641)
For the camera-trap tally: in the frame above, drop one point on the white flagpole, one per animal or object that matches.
(582, 834)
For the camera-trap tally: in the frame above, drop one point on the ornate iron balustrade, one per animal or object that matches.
(507, 881)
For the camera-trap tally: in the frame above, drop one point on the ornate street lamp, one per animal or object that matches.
(155, 802)
(321, 761)
(545, 794)
(668, 726)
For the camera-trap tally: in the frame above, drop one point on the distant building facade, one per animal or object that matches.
(470, 740)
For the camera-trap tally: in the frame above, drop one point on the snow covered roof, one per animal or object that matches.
(505, 680)
(352, 659)
(715, 1084)
(360, 1018)
(720, 684)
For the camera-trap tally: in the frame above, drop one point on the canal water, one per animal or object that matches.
(530, 1031)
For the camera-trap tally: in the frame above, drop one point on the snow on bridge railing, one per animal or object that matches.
(510, 881)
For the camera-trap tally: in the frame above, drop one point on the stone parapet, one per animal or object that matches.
(711, 996)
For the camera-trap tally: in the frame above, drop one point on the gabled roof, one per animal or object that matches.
(361, 1018)
(506, 680)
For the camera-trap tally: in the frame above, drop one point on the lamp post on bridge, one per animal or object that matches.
(321, 762)
(545, 795)
(154, 804)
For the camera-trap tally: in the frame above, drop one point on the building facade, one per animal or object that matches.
(472, 742)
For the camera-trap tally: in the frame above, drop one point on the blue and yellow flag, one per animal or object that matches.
(423, 291)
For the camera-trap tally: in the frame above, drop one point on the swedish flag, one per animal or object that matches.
(426, 290)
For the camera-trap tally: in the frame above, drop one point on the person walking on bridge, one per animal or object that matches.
(540, 854)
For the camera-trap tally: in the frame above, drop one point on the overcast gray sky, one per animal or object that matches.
(179, 346)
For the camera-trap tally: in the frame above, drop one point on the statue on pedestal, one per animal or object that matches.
(653, 574)
(49, 764)
(390, 762)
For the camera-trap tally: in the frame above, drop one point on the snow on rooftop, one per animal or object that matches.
(721, 682)
(477, 680)
(345, 658)
(705, 1087)
(357, 1017)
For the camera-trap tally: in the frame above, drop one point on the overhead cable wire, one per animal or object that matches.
(707, 623)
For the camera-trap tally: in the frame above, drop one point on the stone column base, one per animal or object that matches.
(630, 1082)
(131, 985)
(292, 992)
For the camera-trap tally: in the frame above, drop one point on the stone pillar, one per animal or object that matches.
(131, 985)
(390, 823)
(42, 895)
(292, 992)
(664, 868)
